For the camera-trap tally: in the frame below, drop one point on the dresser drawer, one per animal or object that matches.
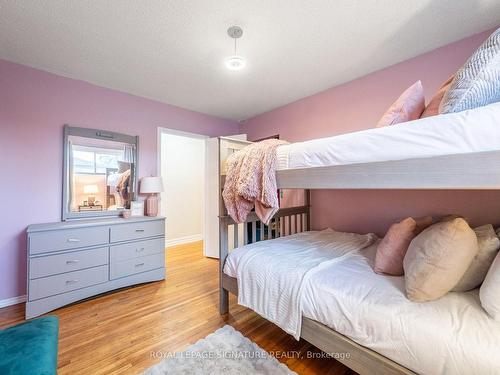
(67, 262)
(133, 250)
(67, 239)
(137, 265)
(66, 282)
(126, 232)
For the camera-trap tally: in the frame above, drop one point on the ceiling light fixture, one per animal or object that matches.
(235, 62)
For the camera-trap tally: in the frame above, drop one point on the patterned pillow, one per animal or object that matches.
(477, 83)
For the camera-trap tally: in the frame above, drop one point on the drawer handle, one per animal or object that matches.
(69, 282)
(73, 240)
(139, 230)
(139, 264)
(72, 261)
(139, 250)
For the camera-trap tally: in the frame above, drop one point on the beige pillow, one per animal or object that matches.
(490, 290)
(437, 259)
(488, 244)
(451, 217)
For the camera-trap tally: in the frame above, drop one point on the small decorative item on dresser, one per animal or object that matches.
(91, 190)
(95, 207)
(152, 186)
(126, 214)
(136, 208)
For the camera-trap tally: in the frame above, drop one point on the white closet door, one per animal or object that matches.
(213, 190)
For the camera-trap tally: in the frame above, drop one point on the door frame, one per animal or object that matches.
(168, 131)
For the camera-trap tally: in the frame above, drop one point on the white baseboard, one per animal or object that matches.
(12, 301)
(183, 240)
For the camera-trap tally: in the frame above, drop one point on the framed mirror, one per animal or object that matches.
(99, 172)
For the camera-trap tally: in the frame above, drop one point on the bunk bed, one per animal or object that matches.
(475, 133)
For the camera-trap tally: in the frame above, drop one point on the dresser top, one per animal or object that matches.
(72, 224)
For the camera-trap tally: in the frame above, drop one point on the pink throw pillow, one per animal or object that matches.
(409, 106)
(432, 108)
(392, 249)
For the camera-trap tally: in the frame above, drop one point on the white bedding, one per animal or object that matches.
(452, 335)
(469, 131)
(272, 285)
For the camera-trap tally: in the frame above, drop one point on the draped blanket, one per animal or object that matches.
(251, 181)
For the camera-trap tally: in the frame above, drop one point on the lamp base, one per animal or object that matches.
(152, 205)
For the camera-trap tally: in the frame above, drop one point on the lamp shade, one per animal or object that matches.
(151, 185)
(90, 189)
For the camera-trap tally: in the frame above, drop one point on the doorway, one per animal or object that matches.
(182, 168)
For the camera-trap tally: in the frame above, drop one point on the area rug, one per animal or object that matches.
(226, 351)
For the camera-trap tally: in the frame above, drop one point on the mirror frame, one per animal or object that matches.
(66, 214)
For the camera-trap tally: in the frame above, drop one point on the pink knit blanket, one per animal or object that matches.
(251, 181)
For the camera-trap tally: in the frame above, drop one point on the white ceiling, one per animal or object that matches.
(173, 51)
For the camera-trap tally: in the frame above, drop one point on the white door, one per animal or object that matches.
(212, 194)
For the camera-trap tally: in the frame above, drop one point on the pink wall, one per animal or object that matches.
(357, 105)
(34, 106)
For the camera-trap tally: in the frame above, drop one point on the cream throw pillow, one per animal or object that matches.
(488, 244)
(489, 293)
(437, 259)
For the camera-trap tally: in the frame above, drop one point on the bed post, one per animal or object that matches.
(223, 251)
(307, 203)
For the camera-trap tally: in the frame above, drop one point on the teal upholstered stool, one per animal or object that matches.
(30, 348)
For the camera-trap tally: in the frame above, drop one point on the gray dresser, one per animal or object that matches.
(73, 260)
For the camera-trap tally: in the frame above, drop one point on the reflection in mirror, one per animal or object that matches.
(101, 174)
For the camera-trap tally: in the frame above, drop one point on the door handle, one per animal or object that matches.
(69, 282)
(73, 240)
(139, 250)
(72, 261)
(139, 230)
(139, 265)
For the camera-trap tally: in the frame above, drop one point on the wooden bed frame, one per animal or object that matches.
(289, 221)
(479, 171)
(473, 171)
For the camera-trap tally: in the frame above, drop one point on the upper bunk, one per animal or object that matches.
(458, 151)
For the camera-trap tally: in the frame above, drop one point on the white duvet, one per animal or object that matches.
(452, 335)
(475, 130)
(272, 284)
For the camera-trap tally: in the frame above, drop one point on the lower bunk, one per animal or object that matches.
(358, 358)
(362, 319)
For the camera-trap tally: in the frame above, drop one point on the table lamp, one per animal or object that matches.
(91, 190)
(151, 186)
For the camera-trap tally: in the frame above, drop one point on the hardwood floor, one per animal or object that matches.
(117, 333)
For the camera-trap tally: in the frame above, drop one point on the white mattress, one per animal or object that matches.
(450, 336)
(272, 284)
(456, 133)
